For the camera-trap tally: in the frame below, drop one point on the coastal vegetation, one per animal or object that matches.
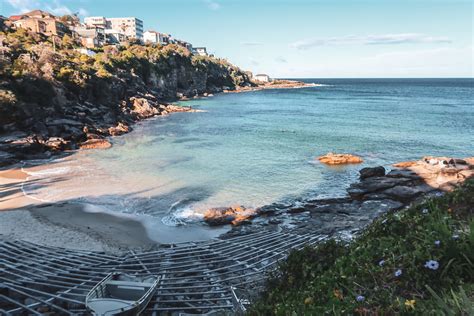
(418, 260)
(56, 95)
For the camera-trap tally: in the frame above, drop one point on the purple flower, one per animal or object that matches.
(381, 262)
(360, 298)
(432, 264)
(437, 242)
(398, 272)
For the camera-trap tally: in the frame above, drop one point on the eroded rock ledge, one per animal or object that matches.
(377, 192)
(86, 126)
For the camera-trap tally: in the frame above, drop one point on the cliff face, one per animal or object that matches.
(55, 99)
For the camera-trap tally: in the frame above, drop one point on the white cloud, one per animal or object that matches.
(445, 61)
(54, 6)
(384, 39)
(408, 63)
(281, 60)
(23, 5)
(58, 9)
(213, 5)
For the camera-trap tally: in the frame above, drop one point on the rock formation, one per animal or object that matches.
(339, 159)
(376, 192)
(58, 99)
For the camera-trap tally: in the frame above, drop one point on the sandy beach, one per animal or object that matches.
(75, 225)
(70, 225)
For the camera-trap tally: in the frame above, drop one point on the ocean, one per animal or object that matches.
(260, 147)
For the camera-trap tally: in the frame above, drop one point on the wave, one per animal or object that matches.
(181, 213)
(48, 172)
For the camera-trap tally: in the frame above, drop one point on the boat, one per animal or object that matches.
(121, 294)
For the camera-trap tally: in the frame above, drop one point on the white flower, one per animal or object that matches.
(455, 236)
(437, 242)
(432, 264)
(398, 272)
(425, 211)
(381, 262)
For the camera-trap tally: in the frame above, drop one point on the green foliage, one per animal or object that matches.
(35, 70)
(327, 279)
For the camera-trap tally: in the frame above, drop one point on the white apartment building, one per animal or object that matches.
(130, 27)
(156, 38)
(96, 21)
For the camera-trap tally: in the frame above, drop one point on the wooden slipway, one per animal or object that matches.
(194, 278)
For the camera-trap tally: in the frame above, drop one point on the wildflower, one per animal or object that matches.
(410, 303)
(398, 272)
(425, 211)
(432, 264)
(308, 300)
(360, 298)
(455, 236)
(381, 262)
(437, 242)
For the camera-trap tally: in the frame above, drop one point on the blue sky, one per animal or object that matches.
(303, 38)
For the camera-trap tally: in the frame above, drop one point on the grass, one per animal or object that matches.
(387, 269)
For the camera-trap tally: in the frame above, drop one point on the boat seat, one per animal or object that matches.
(103, 305)
(129, 283)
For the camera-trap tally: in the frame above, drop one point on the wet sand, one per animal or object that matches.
(83, 226)
(69, 225)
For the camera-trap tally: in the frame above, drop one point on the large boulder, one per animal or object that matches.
(372, 172)
(143, 108)
(56, 143)
(339, 159)
(120, 129)
(407, 193)
(97, 143)
(374, 184)
(235, 215)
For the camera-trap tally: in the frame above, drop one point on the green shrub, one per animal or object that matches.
(395, 266)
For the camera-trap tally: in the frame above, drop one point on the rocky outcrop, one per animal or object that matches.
(97, 143)
(339, 159)
(56, 97)
(372, 172)
(235, 215)
(375, 193)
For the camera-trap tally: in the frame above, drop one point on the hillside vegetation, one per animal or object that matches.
(52, 90)
(415, 261)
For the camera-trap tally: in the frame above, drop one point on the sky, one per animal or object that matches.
(306, 38)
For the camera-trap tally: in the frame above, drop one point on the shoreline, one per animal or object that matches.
(75, 225)
(17, 140)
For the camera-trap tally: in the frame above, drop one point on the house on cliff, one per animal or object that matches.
(40, 22)
(155, 37)
(262, 78)
(90, 36)
(201, 51)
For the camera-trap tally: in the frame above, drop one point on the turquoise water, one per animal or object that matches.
(257, 148)
(260, 147)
